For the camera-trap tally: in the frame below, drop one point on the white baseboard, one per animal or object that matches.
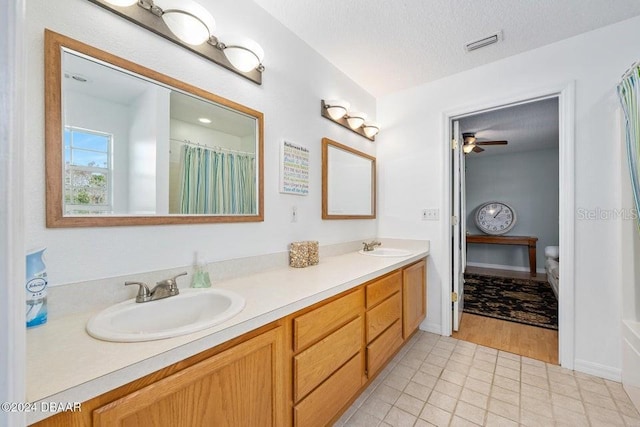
(503, 267)
(598, 370)
(434, 328)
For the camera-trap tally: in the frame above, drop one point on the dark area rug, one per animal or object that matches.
(516, 300)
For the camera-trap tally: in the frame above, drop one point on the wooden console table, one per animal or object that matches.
(529, 241)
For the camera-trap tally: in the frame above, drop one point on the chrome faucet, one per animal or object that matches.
(368, 247)
(163, 289)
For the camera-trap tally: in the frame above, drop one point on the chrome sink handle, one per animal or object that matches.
(144, 294)
(171, 284)
(163, 289)
(368, 247)
(166, 288)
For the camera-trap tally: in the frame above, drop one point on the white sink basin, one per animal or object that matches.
(387, 252)
(190, 311)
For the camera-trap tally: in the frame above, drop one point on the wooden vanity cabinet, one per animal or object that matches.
(414, 297)
(242, 384)
(304, 369)
(238, 387)
(327, 358)
(383, 320)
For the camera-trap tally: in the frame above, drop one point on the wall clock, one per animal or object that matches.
(495, 218)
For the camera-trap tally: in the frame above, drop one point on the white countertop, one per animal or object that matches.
(65, 364)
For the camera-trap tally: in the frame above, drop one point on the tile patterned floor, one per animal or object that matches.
(443, 381)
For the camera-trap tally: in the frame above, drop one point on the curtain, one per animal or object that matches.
(217, 182)
(628, 91)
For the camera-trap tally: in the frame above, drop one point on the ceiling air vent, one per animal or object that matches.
(486, 41)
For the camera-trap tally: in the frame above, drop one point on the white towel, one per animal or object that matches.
(552, 252)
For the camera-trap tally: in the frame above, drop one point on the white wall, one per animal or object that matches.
(209, 137)
(526, 181)
(295, 80)
(410, 150)
(149, 152)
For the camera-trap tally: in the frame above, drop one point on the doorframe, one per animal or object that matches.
(565, 92)
(12, 264)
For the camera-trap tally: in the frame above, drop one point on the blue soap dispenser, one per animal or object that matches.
(36, 287)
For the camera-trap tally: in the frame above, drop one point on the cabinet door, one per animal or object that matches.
(241, 386)
(414, 297)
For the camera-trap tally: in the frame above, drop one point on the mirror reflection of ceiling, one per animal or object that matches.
(527, 127)
(97, 80)
(100, 81)
(190, 109)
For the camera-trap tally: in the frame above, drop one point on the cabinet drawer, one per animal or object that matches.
(383, 315)
(382, 288)
(323, 403)
(319, 361)
(313, 325)
(379, 351)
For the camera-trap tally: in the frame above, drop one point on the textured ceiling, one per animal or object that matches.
(389, 45)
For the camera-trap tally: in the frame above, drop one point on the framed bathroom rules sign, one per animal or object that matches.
(294, 169)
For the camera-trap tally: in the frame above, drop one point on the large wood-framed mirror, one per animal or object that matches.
(348, 182)
(126, 145)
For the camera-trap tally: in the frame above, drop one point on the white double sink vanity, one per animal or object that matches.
(66, 364)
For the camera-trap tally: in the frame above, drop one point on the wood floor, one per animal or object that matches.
(525, 340)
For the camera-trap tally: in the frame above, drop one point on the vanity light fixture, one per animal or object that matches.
(243, 53)
(188, 24)
(189, 21)
(337, 108)
(371, 129)
(356, 119)
(123, 3)
(337, 111)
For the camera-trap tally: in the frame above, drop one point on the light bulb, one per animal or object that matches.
(356, 119)
(468, 148)
(336, 108)
(187, 20)
(243, 53)
(371, 129)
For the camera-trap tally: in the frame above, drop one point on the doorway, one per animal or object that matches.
(455, 237)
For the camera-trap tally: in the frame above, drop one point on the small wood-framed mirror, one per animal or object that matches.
(348, 182)
(126, 145)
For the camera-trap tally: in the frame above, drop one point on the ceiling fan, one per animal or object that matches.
(472, 144)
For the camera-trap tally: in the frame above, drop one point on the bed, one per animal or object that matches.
(552, 266)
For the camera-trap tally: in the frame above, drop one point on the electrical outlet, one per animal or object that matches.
(294, 214)
(432, 214)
